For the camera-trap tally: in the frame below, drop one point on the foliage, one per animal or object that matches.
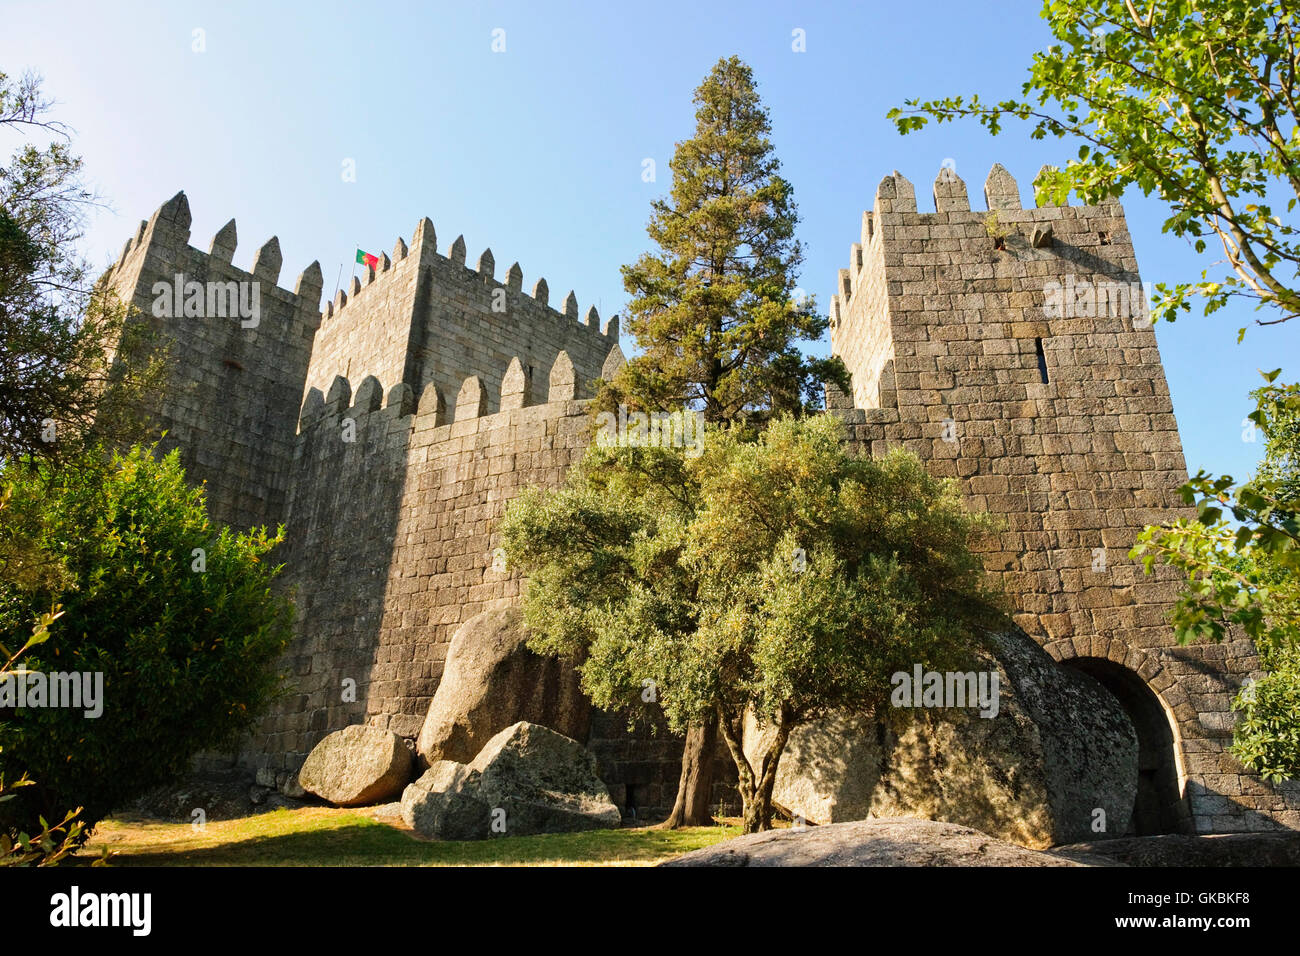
(993, 227)
(184, 638)
(47, 847)
(73, 369)
(716, 311)
(1194, 101)
(782, 576)
(1244, 574)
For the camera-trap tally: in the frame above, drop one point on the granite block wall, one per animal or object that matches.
(1010, 348)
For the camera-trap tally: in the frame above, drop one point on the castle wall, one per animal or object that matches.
(232, 402)
(1075, 466)
(861, 334)
(392, 547)
(423, 318)
(365, 329)
(390, 498)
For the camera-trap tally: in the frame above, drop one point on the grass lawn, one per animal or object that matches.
(325, 836)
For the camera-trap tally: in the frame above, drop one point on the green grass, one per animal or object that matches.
(323, 836)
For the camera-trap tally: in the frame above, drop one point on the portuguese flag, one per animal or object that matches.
(366, 259)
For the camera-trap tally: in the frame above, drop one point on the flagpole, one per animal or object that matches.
(336, 280)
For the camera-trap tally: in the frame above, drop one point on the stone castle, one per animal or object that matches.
(388, 431)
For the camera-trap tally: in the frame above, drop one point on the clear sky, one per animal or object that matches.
(538, 151)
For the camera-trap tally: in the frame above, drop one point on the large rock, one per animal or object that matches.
(490, 681)
(527, 779)
(356, 766)
(445, 803)
(1174, 849)
(884, 842)
(1059, 748)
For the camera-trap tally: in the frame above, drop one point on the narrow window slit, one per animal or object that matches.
(1042, 359)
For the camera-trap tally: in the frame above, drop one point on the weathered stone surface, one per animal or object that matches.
(357, 765)
(1175, 849)
(492, 680)
(1059, 747)
(222, 794)
(892, 841)
(445, 803)
(527, 779)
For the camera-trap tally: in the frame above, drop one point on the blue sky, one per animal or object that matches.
(537, 151)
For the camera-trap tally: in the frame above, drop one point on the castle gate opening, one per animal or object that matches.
(1159, 805)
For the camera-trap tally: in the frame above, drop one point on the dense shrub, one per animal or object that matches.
(177, 616)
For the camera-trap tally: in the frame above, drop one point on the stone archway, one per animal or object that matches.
(1159, 805)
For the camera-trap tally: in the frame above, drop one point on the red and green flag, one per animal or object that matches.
(366, 259)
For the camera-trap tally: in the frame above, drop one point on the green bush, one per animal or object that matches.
(186, 646)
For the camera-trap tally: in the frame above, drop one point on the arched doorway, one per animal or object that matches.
(1159, 806)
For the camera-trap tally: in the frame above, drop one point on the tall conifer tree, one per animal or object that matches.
(716, 313)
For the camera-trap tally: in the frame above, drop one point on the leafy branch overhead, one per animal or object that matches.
(1193, 101)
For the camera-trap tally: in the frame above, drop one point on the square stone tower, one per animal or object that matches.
(232, 403)
(1011, 349)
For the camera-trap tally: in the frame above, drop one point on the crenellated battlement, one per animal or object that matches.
(911, 270)
(424, 241)
(161, 243)
(427, 318)
(430, 409)
(955, 221)
(426, 323)
(418, 316)
(240, 345)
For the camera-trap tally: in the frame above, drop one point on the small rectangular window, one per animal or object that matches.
(1042, 359)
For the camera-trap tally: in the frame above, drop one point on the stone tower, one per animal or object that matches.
(1011, 349)
(232, 404)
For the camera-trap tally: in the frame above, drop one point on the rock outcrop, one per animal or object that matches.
(1059, 748)
(491, 680)
(356, 766)
(527, 779)
(891, 841)
(1177, 849)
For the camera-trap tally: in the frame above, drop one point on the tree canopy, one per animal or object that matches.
(73, 370)
(783, 576)
(175, 616)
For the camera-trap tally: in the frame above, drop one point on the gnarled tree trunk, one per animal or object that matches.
(756, 789)
(695, 788)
